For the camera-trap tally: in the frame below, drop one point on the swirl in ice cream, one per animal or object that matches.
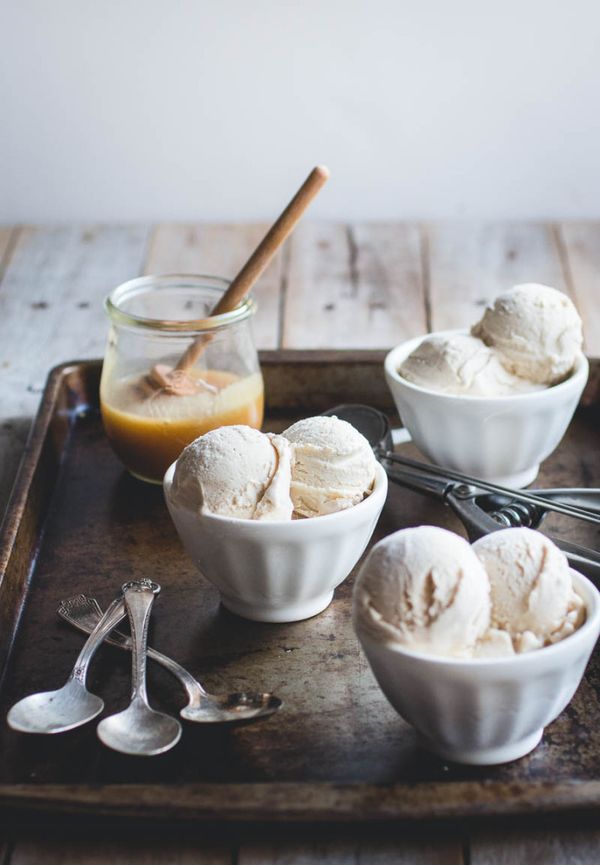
(427, 590)
(528, 339)
(535, 331)
(235, 471)
(317, 466)
(334, 465)
(533, 601)
(424, 588)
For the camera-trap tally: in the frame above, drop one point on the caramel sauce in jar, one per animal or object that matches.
(153, 321)
(149, 432)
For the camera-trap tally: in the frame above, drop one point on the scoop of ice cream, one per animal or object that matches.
(533, 601)
(460, 364)
(535, 330)
(334, 465)
(235, 471)
(425, 589)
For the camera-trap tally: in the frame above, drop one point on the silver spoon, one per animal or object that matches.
(139, 730)
(202, 708)
(72, 705)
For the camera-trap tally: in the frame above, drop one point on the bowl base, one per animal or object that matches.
(295, 612)
(516, 481)
(487, 756)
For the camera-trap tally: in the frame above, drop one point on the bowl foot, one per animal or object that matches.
(487, 756)
(294, 612)
(516, 481)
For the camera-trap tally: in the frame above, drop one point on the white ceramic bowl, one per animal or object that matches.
(280, 571)
(500, 439)
(485, 711)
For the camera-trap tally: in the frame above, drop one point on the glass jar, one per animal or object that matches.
(154, 320)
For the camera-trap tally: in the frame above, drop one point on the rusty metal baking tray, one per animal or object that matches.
(337, 751)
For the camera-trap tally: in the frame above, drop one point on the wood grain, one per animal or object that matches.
(5, 851)
(221, 250)
(8, 236)
(298, 854)
(470, 263)
(131, 852)
(354, 286)
(398, 852)
(51, 310)
(580, 244)
(536, 848)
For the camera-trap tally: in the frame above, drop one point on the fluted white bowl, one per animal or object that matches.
(500, 439)
(280, 571)
(485, 711)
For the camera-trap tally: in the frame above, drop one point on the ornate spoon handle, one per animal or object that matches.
(84, 613)
(139, 598)
(113, 615)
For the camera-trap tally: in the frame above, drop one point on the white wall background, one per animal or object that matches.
(216, 109)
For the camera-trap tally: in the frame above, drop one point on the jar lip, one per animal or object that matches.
(164, 280)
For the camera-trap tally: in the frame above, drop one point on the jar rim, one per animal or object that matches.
(170, 280)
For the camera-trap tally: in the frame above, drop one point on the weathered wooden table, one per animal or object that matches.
(365, 285)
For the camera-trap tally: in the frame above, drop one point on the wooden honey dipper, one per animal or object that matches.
(177, 381)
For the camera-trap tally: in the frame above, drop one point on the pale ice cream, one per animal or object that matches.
(334, 465)
(427, 590)
(533, 601)
(235, 471)
(535, 331)
(460, 364)
(424, 589)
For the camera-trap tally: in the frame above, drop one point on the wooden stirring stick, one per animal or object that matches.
(177, 381)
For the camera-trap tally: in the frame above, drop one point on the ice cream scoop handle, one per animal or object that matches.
(416, 480)
(577, 497)
(479, 485)
(580, 558)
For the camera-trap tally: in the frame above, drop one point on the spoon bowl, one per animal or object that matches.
(139, 730)
(72, 705)
(228, 708)
(55, 711)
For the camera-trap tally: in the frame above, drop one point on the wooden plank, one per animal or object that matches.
(221, 250)
(385, 852)
(51, 311)
(5, 851)
(130, 852)
(470, 263)
(552, 847)
(354, 286)
(298, 854)
(8, 236)
(580, 246)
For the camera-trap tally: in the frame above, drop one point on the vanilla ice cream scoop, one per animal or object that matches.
(424, 589)
(334, 466)
(460, 364)
(235, 471)
(533, 601)
(535, 330)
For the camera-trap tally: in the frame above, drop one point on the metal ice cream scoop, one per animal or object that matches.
(482, 507)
